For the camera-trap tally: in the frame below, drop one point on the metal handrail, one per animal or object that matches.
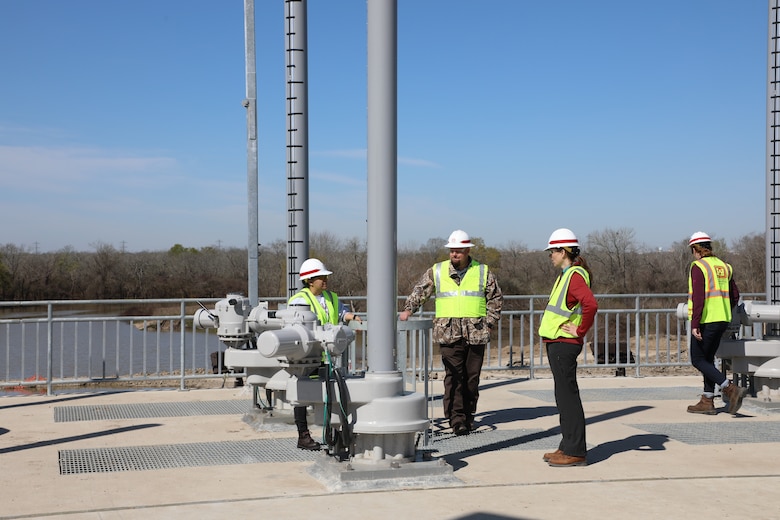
(72, 342)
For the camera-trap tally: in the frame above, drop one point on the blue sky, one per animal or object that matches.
(122, 123)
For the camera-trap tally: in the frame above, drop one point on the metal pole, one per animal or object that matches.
(297, 140)
(772, 182)
(250, 103)
(382, 183)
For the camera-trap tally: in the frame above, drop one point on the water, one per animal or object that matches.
(100, 350)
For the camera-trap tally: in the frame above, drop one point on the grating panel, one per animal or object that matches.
(619, 394)
(716, 432)
(165, 456)
(493, 440)
(149, 410)
(138, 458)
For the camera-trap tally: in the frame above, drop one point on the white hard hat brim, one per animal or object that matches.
(459, 246)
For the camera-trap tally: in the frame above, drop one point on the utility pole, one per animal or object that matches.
(250, 103)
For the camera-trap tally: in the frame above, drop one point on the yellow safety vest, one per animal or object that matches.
(717, 303)
(557, 312)
(466, 300)
(331, 300)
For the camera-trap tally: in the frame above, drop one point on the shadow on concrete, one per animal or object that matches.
(62, 399)
(51, 442)
(645, 442)
(509, 415)
(487, 386)
(489, 516)
(492, 418)
(456, 459)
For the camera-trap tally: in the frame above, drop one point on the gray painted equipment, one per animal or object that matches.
(751, 352)
(371, 419)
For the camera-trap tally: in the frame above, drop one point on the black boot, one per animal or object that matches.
(305, 442)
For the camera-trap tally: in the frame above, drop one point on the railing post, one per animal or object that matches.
(49, 347)
(638, 338)
(531, 339)
(182, 343)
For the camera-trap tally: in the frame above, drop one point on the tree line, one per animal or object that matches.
(620, 265)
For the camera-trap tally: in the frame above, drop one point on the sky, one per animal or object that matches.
(121, 122)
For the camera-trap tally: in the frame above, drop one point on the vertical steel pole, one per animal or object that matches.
(382, 183)
(295, 37)
(772, 162)
(250, 103)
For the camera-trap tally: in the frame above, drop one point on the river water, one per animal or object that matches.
(100, 350)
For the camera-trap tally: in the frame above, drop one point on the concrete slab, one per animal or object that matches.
(648, 458)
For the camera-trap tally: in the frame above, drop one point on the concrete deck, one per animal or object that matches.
(173, 454)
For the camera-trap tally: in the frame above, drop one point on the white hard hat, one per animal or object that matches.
(311, 268)
(458, 239)
(698, 238)
(562, 238)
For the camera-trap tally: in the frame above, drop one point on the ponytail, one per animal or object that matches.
(576, 259)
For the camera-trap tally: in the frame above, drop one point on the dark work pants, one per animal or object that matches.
(563, 363)
(703, 353)
(299, 414)
(462, 365)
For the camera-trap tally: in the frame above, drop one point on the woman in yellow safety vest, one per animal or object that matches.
(567, 318)
(712, 293)
(325, 304)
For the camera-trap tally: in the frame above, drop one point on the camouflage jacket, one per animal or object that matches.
(476, 331)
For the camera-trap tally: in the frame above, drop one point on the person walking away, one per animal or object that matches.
(712, 293)
(468, 307)
(326, 306)
(567, 318)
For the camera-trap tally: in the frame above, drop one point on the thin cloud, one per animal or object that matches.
(361, 153)
(49, 167)
(336, 178)
(409, 161)
(358, 153)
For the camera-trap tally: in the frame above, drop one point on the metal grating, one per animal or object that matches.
(619, 394)
(493, 440)
(716, 432)
(149, 410)
(165, 456)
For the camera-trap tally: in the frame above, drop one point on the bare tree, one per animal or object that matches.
(612, 254)
(748, 259)
(618, 265)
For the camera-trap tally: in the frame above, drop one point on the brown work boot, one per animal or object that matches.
(547, 456)
(561, 460)
(305, 442)
(734, 394)
(704, 406)
(460, 429)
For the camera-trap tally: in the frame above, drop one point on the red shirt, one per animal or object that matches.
(579, 292)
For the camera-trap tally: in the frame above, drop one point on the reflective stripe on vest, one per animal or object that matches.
(466, 300)
(717, 302)
(331, 300)
(557, 313)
